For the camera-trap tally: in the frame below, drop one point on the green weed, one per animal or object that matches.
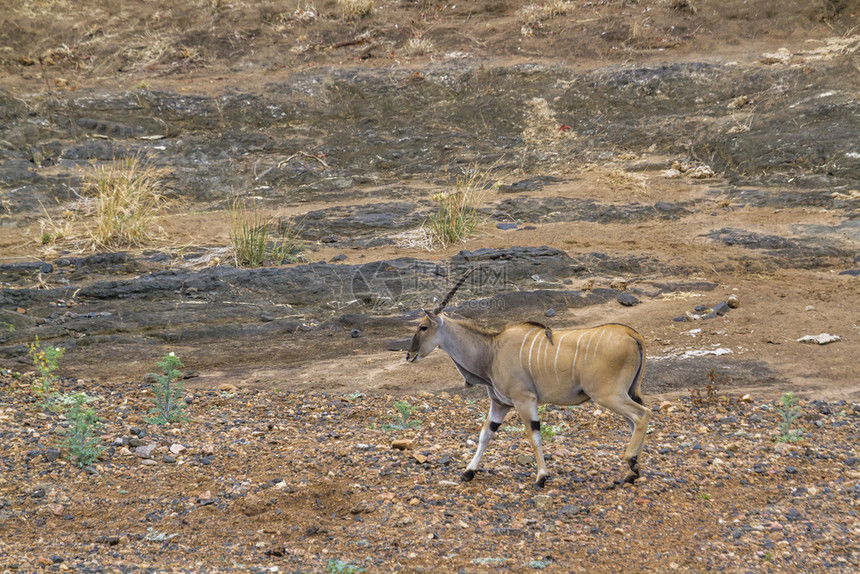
(81, 437)
(340, 567)
(790, 412)
(168, 405)
(46, 360)
(401, 419)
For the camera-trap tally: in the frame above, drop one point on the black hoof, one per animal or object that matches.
(467, 475)
(633, 463)
(541, 482)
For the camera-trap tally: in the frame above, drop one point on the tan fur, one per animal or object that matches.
(525, 365)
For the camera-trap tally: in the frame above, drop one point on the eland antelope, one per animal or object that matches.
(525, 365)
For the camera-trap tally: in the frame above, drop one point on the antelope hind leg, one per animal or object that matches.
(637, 416)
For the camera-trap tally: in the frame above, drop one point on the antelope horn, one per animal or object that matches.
(450, 294)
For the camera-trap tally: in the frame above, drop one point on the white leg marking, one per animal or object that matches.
(555, 364)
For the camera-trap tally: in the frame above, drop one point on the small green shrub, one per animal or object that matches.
(790, 412)
(401, 419)
(81, 436)
(46, 360)
(168, 404)
(340, 567)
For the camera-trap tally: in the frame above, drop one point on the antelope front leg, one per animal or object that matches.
(498, 411)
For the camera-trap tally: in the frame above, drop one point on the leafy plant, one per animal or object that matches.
(168, 404)
(401, 419)
(340, 567)
(456, 215)
(790, 412)
(46, 360)
(81, 437)
(548, 432)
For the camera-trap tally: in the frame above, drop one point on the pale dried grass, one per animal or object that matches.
(354, 9)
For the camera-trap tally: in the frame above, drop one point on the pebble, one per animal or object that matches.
(403, 444)
(550, 312)
(733, 302)
(618, 283)
(543, 501)
(627, 300)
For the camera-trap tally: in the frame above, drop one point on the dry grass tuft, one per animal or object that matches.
(541, 126)
(116, 207)
(418, 46)
(250, 238)
(533, 15)
(354, 9)
(456, 216)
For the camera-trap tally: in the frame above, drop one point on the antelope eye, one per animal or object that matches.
(422, 328)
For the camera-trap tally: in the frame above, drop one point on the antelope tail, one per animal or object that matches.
(637, 378)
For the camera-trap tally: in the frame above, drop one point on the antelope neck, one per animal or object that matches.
(470, 349)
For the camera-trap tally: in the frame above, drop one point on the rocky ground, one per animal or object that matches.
(287, 481)
(646, 161)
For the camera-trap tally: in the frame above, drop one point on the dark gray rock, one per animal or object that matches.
(627, 299)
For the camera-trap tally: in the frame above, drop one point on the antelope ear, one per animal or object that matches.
(436, 319)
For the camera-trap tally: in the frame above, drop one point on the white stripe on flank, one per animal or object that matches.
(537, 353)
(555, 363)
(545, 349)
(573, 366)
(600, 338)
(531, 347)
(524, 344)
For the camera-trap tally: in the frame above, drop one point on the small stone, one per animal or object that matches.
(403, 444)
(505, 225)
(51, 454)
(790, 470)
(228, 388)
(148, 462)
(733, 302)
(809, 308)
(618, 283)
(543, 501)
(177, 448)
(525, 459)
(338, 258)
(168, 459)
(550, 312)
(822, 339)
(355, 333)
(145, 451)
(627, 300)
